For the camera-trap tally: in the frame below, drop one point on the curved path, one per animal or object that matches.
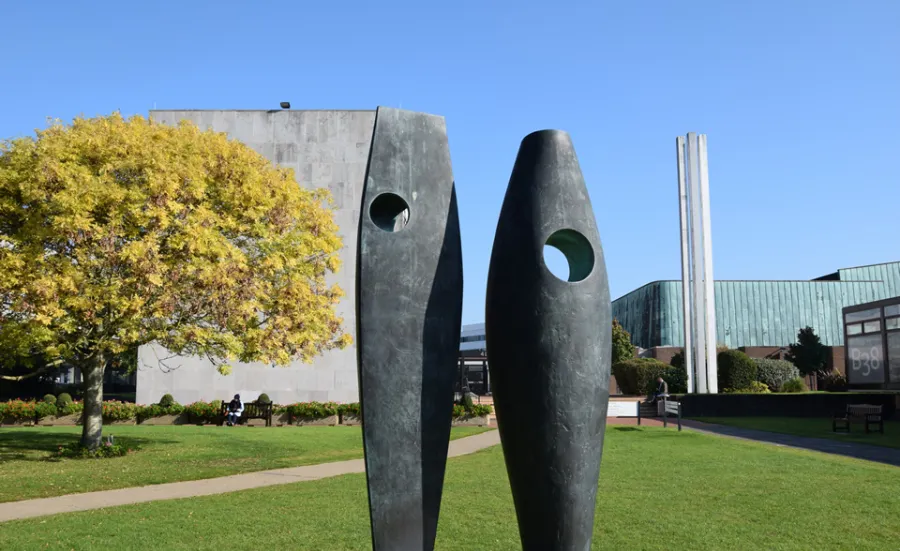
(176, 490)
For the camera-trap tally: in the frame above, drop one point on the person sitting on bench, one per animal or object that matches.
(662, 391)
(235, 408)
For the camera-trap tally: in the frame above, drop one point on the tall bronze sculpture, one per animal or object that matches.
(549, 344)
(409, 310)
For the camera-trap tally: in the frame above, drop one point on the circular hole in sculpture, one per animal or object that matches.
(569, 255)
(389, 212)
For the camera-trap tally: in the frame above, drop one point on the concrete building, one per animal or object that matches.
(326, 149)
(761, 317)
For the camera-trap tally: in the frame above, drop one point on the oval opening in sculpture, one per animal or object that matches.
(577, 251)
(389, 212)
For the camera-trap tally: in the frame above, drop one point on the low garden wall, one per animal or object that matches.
(813, 404)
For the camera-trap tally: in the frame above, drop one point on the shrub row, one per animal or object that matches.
(21, 410)
(737, 373)
(204, 412)
(197, 412)
(740, 374)
(775, 373)
(794, 385)
(157, 410)
(475, 410)
(638, 376)
(320, 410)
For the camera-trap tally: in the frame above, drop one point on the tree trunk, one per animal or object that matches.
(92, 417)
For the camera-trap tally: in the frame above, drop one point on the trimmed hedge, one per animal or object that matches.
(197, 412)
(167, 400)
(312, 410)
(320, 410)
(774, 373)
(351, 409)
(638, 376)
(675, 376)
(25, 411)
(813, 404)
(737, 371)
(63, 400)
(157, 410)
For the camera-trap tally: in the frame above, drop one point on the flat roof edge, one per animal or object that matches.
(262, 110)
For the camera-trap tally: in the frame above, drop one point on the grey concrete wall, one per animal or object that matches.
(325, 149)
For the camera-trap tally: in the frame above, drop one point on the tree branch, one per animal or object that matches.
(35, 373)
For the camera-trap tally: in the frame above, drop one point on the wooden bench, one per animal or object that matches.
(252, 410)
(858, 413)
(671, 407)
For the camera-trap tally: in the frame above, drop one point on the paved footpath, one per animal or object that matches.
(176, 490)
(879, 454)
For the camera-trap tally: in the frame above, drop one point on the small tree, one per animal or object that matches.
(116, 233)
(622, 349)
(808, 353)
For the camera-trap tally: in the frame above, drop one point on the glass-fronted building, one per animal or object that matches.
(872, 344)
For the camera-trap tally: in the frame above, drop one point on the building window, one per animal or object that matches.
(854, 329)
(872, 326)
(891, 323)
(893, 310)
(865, 360)
(893, 345)
(871, 313)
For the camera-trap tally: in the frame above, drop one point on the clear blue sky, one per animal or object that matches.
(800, 100)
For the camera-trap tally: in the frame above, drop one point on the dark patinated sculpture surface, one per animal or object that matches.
(409, 309)
(549, 344)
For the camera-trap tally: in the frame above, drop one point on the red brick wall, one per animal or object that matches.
(770, 352)
(664, 353)
(836, 359)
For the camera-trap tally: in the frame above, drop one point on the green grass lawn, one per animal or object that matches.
(659, 489)
(166, 454)
(816, 427)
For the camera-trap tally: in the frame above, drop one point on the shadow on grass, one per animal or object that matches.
(18, 445)
(846, 448)
(627, 429)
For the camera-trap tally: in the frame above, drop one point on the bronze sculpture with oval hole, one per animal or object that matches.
(549, 345)
(409, 311)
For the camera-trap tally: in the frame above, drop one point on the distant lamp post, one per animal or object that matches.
(285, 105)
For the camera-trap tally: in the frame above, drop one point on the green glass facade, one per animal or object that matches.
(758, 313)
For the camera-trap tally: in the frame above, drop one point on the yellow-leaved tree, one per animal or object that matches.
(119, 232)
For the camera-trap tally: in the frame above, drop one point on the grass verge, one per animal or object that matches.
(659, 489)
(166, 454)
